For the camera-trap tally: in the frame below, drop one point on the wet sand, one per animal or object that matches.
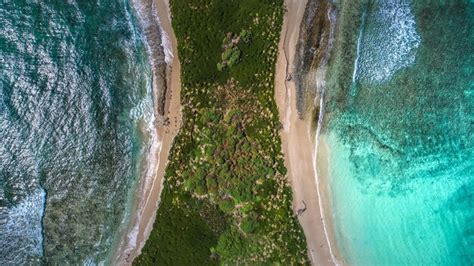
(148, 193)
(299, 146)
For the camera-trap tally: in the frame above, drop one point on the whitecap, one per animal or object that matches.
(388, 41)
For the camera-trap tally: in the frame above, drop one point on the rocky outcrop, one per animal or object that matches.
(150, 24)
(312, 53)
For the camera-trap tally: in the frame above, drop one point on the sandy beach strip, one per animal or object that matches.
(310, 191)
(148, 193)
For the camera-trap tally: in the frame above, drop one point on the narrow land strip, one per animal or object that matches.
(226, 186)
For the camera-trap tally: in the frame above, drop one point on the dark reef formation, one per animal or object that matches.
(150, 24)
(312, 54)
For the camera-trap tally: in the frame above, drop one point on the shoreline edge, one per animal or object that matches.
(310, 188)
(147, 197)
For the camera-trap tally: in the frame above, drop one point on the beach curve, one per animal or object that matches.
(299, 146)
(168, 123)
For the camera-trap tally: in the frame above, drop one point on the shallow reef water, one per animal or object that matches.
(400, 99)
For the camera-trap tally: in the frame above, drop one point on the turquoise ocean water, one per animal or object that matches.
(75, 106)
(400, 127)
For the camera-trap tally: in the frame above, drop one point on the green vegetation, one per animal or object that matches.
(226, 198)
(230, 48)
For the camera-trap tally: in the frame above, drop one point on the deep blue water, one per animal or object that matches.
(401, 132)
(75, 98)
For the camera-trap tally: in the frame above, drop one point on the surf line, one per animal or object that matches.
(321, 84)
(356, 61)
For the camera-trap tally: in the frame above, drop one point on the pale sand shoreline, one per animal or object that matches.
(297, 134)
(298, 144)
(148, 197)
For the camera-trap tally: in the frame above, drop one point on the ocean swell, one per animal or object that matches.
(388, 41)
(76, 99)
(21, 229)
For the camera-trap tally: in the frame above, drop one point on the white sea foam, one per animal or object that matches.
(146, 185)
(144, 112)
(321, 86)
(388, 42)
(165, 41)
(359, 40)
(150, 23)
